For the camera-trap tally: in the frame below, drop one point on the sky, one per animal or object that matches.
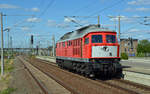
(46, 18)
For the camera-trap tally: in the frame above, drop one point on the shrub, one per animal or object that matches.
(124, 56)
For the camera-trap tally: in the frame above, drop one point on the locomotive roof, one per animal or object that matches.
(81, 32)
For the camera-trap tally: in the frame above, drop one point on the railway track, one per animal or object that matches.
(51, 76)
(128, 86)
(119, 83)
(81, 85)
(35, 79)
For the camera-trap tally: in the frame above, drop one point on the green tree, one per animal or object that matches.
(143, 47)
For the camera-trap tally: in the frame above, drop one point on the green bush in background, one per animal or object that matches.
(140, 55)
(143, 48)
(124, 56)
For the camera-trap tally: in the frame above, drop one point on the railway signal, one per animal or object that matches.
(31, 39)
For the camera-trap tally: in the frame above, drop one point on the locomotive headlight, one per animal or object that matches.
(92, 60)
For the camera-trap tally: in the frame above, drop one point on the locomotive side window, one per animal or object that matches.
(76, 42)
(111, 38)
(56, 45)
(97, 39)
(70, 43)
(63, 44)
(67, 43)
(73, 42)
(86, 41)
(59, 45)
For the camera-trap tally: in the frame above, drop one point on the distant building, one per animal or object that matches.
(129, 46)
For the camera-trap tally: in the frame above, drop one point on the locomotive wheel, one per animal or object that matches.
(78, 68)
(74, 67)
(82, 69)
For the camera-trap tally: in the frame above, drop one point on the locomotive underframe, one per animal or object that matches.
(105, 68)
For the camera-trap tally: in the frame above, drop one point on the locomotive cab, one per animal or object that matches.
(101, 45)
(104, 46)
(104, 53)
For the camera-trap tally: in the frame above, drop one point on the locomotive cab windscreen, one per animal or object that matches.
(100, 39)
(97, 39)
(111, 38)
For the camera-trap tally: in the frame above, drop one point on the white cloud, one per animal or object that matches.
(53, 23)
(136, 16)
(147, 31)
(132, 2)
(63, 25)
(122, 19)
(69, 19)
(129, 9)
(142, 9)
(141, 36)
(35, 9)
(8, 6)
(130, 32)
(139, 2)
(85, 22)
(138, 33)
(25, 28)
(33, 19)
(134, 30)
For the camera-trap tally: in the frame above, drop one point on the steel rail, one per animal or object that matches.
(118, 87)
(136, 85)
(39, 84)
(58, 81)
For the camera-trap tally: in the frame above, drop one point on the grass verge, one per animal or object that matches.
(8, 91)
(4, 80)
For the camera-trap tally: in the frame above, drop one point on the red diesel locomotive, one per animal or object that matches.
(91, 51)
